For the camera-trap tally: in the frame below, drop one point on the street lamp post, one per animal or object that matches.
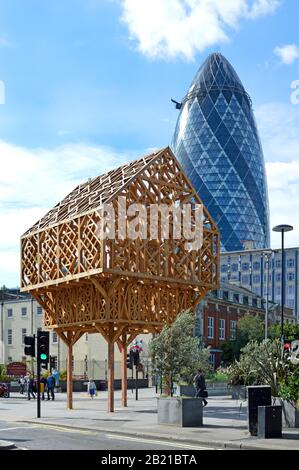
(267, 256)
(282, 228)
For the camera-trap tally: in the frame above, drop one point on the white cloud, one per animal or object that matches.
(283, 182)
(169, 28)
(278, 125)
(288, 53)
(33, 181)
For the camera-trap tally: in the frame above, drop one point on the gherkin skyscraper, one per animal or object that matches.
(217, 142)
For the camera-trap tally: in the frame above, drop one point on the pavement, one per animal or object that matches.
(224, 421)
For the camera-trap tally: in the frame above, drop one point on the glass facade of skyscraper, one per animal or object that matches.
(216, 141)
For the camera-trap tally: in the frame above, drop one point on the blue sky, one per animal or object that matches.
(88, 86)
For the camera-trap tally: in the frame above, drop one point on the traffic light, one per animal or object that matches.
(130, 360)
(52, 362)
(43, 348)
(136, 358)
(29, 349)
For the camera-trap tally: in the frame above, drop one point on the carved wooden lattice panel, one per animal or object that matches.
(83, 281)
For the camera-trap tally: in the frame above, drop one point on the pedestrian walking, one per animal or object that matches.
(43, 383)
(22, 384)
(50, 387)
(200, 386)
(91, 388)
(30, 384)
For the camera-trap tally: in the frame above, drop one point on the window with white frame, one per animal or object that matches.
(9, 312)
(210, 327)
(9, 337)
(291, 290)
(233, 329)
(24, 333)
(291, 276)
(212, 360)
(24, 311)
(290, 263)
(221, 328)
(39, 310)
(54, 337)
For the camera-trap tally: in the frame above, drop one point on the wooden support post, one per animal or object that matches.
(70, 376)
(124, 374)
(110, 375)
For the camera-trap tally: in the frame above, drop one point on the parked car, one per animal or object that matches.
(4, 390)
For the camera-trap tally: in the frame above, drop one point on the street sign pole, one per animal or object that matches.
(38, 386)
(136, 383)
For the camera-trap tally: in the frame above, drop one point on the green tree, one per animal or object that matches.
(176, 354)
(249, 328)
(290, 330)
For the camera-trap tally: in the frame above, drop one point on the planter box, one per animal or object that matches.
(239, 391)
(290, 414)
(184, 412)
(185, 390)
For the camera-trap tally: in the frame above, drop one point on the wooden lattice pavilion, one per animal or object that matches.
(117, 287)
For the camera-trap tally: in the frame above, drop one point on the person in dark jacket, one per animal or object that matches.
(200, 386)
(50, 387)
(30, 388)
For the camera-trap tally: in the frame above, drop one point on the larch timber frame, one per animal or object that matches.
(118, 288)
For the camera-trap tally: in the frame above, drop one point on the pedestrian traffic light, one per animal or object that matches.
(29, 349)
(43, 348)
(130, 360)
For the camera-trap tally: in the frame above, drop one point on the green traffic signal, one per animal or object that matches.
(43, 357)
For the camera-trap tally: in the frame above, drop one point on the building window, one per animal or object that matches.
(54, 337)
(233, 329)
(39, 310)
(290, 263)
(291, 290)
(9, 337)
(256, 266)
(24, 311)
(225, 295)
(24, 332)
(224, 268)
(210, 327)
(277, 291)
(235, 267)
(291, 276)
(221, 328)
(245, 279)
(236, 298)
(212, 360)
(291, 303)
(245, 266)
(254, 302)
(278, 277)
(9, 359)
(278, 263)
(256, 278)
(9, 312)
(245, 299)
(223, 278)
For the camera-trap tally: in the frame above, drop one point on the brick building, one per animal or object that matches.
(219, 312)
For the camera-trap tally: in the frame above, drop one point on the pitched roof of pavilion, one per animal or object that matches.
(94, 192)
